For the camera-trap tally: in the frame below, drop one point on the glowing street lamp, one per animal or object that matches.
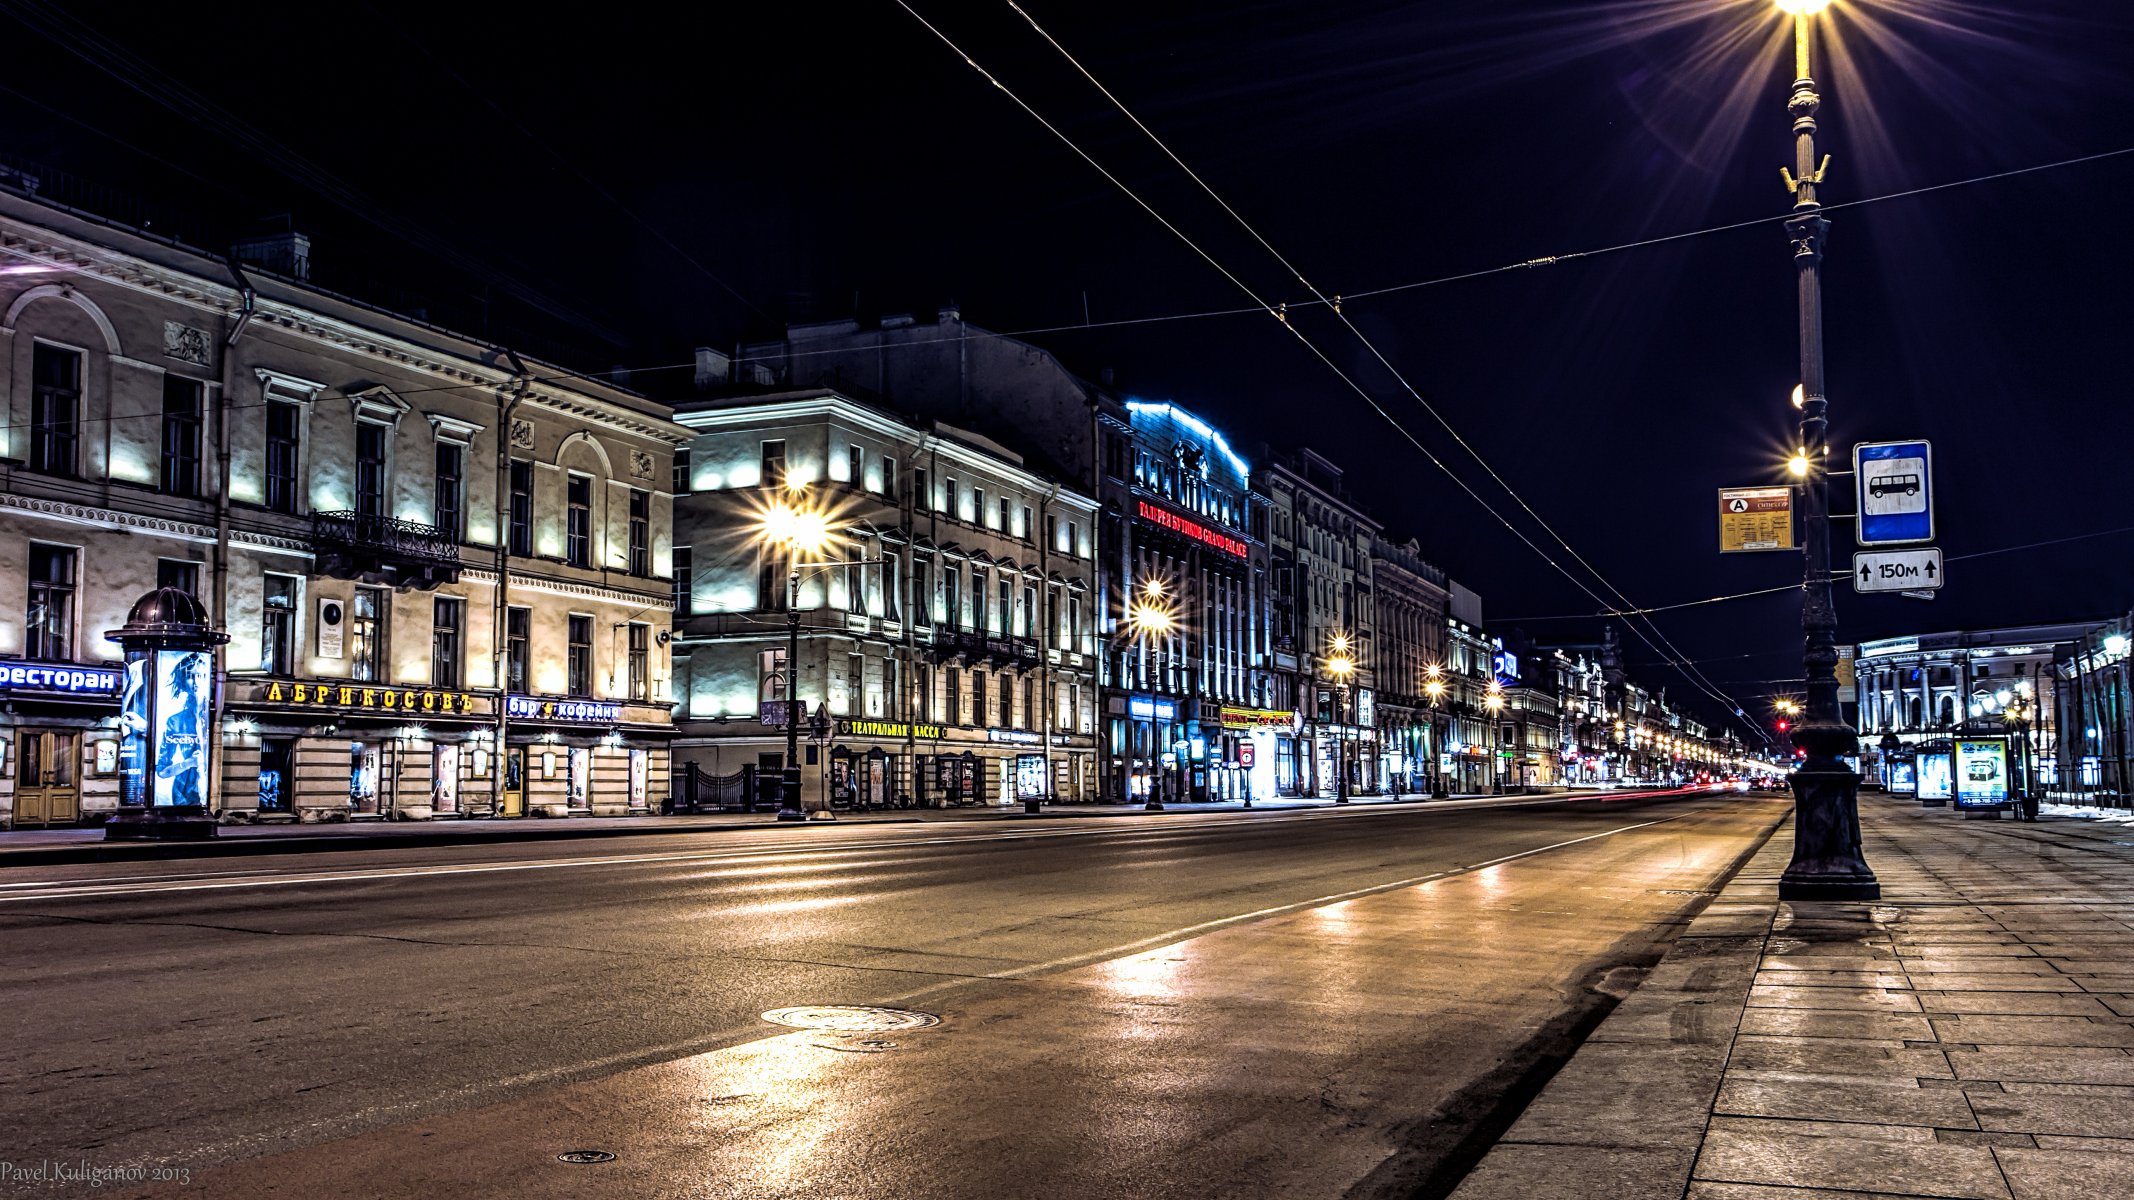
(804, 530)
(1827, 864)
(1341, 664)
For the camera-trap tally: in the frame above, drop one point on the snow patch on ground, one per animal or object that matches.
(2117, 816)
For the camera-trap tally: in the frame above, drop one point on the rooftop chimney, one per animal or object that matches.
(287, 254)
(714, 368)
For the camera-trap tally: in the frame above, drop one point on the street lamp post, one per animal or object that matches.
(1434, 687)
(1150, 615)
(1341, 665)
(1827, 864)
(1493, 700)
(801, 530)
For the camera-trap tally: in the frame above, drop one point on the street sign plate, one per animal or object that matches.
(1897, 570)
(1894, 482)
(1754, 519)
(1848, 677)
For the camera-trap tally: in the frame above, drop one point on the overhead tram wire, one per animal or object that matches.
(1687, 668)
(1281, 316)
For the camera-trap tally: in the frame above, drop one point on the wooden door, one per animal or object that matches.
(47, 777)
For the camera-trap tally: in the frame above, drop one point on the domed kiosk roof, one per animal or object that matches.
(168, 616)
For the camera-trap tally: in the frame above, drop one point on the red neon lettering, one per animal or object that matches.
(1192, 529)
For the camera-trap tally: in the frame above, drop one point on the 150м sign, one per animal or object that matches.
(1897, 570)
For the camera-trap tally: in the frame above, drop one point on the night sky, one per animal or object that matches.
(614, 193)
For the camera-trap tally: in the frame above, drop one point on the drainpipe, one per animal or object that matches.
(220, 583)
(507, 404)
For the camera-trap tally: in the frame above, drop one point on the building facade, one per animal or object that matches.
(1324, 609)
(2092, 681)
(386, 519)
(1412, 605)
(948, 635)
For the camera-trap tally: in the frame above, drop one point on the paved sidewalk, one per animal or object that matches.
(1970, 1035)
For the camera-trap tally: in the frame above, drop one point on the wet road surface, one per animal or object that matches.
(1177, 1005)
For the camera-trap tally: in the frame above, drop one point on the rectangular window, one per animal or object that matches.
(952, 596)
(370, 469)
(640, 532)
(855, 682)
(581, 655)
(855, 582)
(1026, 620)
(55, 409)
(50, 633)
(578, 530)
(518, 647)
(952, 695)
(684, 581)
(978, 512)
(181, 435)
(640, 661)
(890, 583)
(891, 677)
(682, 482)
(979, 712)
(366, 633)
(922, 693)
(774, 464)
(856, 466)
(522, 497)
(922, 492)
(448, 508)
(1028, 530)
(178, 573)
(284, 425)
(1030, 714)
(948, 496)
(922, 587)
(1005, 615)
(446, 616)
(1005, 509)
(889, 477)
(978, 601)
(277, 774)
(277, 625)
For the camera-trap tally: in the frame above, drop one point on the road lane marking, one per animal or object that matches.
(133, 886)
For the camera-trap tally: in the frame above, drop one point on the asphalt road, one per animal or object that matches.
(196, 1013)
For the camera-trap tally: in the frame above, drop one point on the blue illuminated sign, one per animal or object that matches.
(534, 708)
(59, 678)
(1148, 708)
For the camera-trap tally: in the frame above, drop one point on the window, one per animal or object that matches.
(50, 636)
(978, 601)
(277, 773)
(774, 464)
(448, 507)
(682, 481)
(978, 704)
(370, 469)
(447, 614)
(856, 682)
(640, 661)
(889, 477)
(952, 596)
(284, 423)
(890, 679)
(948, 496)
(770, 586)
(581, 655)
(1026, 620)
(181, 435)
(640, 532)
(1007, 703)
(684, 581)
(952, 695)
(978, 513)
(890, 583)
(922, 587)
(856, 466)
(770, 675)
(367, 633)
(922, 693)
(522, 488)
(855, 582)
(518, 647)
(1005, 509)
(1006, 614)
(277, 625)
(1027, 531)
(55, 409)
(178, 573)
(922, 492)
(578, 532)
(1032, 718)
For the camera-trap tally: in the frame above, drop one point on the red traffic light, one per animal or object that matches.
(1781, 726)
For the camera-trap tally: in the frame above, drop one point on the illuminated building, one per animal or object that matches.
(443, 571)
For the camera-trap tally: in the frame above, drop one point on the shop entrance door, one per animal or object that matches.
(513, 800)
(47, 783)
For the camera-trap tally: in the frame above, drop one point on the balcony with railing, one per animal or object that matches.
(381, 549)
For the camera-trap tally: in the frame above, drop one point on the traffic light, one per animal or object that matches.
(1781, 725)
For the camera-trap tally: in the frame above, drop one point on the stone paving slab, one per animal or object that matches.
(1969, 1035)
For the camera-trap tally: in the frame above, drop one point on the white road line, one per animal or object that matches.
(82, 889)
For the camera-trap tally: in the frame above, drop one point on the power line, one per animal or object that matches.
(1689, 672)
(1282, 316)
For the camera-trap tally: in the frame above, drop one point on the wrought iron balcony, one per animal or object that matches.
(381, 549)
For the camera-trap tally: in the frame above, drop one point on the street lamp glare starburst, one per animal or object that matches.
(1797, 466)
(799, 527)
(1804, 8)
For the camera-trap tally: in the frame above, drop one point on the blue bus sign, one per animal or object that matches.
(1895, 481)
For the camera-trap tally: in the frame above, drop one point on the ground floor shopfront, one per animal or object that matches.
(1175, 749)
(869, 764)
(59, 744)
(329, 750)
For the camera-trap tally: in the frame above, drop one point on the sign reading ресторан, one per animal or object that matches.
(535, 708)
(367, 697)
(59, 677)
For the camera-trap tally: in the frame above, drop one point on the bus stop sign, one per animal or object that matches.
(1895, 481)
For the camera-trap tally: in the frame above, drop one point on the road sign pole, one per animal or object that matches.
(1827, 864)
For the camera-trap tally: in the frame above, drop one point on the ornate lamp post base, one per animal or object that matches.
(1826, 839)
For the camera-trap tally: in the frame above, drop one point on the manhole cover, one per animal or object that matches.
(581, 1157)
(851, 1018)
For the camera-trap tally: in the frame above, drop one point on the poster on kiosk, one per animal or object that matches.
(1933, 776)
(1981, 773)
